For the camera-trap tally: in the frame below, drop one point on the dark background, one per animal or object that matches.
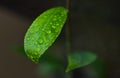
(95, 27)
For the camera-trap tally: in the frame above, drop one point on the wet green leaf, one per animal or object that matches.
(43, 32)
(80, 59)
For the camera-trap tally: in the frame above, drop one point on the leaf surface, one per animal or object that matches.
(43, 32)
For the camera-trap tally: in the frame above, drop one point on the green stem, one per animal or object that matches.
(68, 40)
(68, 34)
(68, 4)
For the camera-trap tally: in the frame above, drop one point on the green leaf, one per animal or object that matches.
(43, 32)
(77, 60)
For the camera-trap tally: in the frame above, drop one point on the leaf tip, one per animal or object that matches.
(33, 57)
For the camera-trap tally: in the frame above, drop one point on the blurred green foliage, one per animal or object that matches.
(79, 59)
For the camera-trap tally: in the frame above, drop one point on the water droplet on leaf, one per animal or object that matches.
(53, 27)
(41, 41)
(49, 32)
(36, 43)
(54, 19)
(28, 38)
(32, 38)
(57, 24)
(31, 57)
(50, 23)
(38, 49)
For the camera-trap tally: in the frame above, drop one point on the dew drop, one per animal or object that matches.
(36, 53)
(45, 39)
(28, 55)
(32, 38)
(43, 29)
(56, 30)
(53, 27)
(28, 38)
(31, 32)
(60, 20)
(31, 57)
(38, 49)
(62, 15)
(57, 24)
(55, 16)
(50, 23)
(36, 43)
(41, 41)
(54, 19)
(49, 32)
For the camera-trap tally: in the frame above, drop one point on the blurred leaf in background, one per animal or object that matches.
(50, 64)
(79, 59)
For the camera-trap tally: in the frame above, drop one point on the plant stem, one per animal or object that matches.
(68, 27)
(68, 4)
(68, 34)
(76, 73)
